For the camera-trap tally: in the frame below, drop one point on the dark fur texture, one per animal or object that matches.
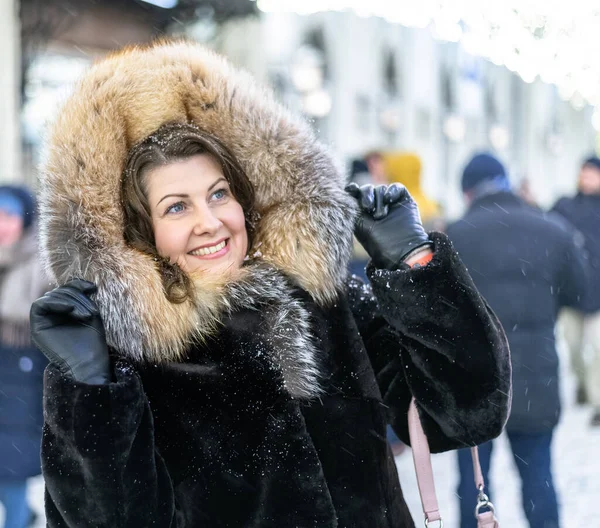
(219, 441)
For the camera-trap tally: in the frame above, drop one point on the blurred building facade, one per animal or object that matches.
(365, 83)
(371, 84)
(10, 160)
(59, 39)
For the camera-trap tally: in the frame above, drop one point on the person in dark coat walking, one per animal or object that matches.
(211, 362)
(21, 364)
(528, 266)
(582, 327)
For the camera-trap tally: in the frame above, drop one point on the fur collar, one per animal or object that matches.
(286, 323)
(305, 217)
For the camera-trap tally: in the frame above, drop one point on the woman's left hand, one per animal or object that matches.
(389, 225)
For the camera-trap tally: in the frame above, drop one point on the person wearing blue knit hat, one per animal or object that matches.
(21, 364)
(10, 204)
(528, 266)
(12, 217)
(484, 174)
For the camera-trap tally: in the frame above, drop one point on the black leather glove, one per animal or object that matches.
(389, 225)
(66, 326)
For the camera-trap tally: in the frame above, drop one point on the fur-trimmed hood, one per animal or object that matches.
(305, 222)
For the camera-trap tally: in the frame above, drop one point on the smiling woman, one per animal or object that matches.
(192, 387)
(188, 203)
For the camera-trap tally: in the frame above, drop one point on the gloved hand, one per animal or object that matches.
(389, 225)
(66, 326)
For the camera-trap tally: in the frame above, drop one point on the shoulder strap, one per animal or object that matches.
(424, 471)
(422, 460)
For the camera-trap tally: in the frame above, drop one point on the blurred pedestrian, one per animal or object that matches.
(525, 192)
(527, 266)
(359, 172)
(377, 169)
(21, 364)
(582, 328)
(406, 168)
(369, 170)
(233, 375)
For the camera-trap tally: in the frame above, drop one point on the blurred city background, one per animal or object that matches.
(439, 78)
(442, 79)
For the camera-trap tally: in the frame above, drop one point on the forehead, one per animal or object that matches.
(196, 172)
(590, 169)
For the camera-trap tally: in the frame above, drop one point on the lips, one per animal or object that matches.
(209, 250)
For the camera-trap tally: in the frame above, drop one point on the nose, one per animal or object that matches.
(206, 223)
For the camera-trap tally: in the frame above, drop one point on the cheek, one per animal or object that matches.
(159, 240)
(169, 242)
(236, 223)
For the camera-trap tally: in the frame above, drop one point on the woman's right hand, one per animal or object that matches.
(389, 225)
(66, 326)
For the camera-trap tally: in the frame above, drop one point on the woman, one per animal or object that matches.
(21, 364)
(212, 364)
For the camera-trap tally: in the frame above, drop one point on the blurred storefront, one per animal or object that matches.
(365, 82)
(368, 82)
(61, 38)
(10, 159)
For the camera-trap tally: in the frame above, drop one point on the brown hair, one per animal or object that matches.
(171, 143)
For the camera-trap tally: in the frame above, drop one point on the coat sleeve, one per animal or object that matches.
(100, 465)
(575, 271)
(430, 334)
(561, 207)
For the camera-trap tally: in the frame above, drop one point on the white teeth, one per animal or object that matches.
(209, 250)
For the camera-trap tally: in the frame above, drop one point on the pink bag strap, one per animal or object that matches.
(424, 471)
(487, 520)
(479, 484)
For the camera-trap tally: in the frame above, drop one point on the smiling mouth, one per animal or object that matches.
(210, 250)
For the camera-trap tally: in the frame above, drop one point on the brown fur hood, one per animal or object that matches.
(305, 217)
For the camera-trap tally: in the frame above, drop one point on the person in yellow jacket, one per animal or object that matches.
(405, 168)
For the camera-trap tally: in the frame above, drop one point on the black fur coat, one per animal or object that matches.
(218, 441)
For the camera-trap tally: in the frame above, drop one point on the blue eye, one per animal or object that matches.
(220, 194)
(175, 208)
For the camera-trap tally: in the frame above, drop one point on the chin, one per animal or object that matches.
(217, 268)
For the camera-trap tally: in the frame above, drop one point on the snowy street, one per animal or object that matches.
(577, 467)
(576, 451)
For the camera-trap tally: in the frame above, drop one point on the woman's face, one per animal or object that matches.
(11, 229)
(197, 222)
(589, 180)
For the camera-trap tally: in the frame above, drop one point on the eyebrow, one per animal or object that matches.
(222, 178)
(214, 184)
(171, 196)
